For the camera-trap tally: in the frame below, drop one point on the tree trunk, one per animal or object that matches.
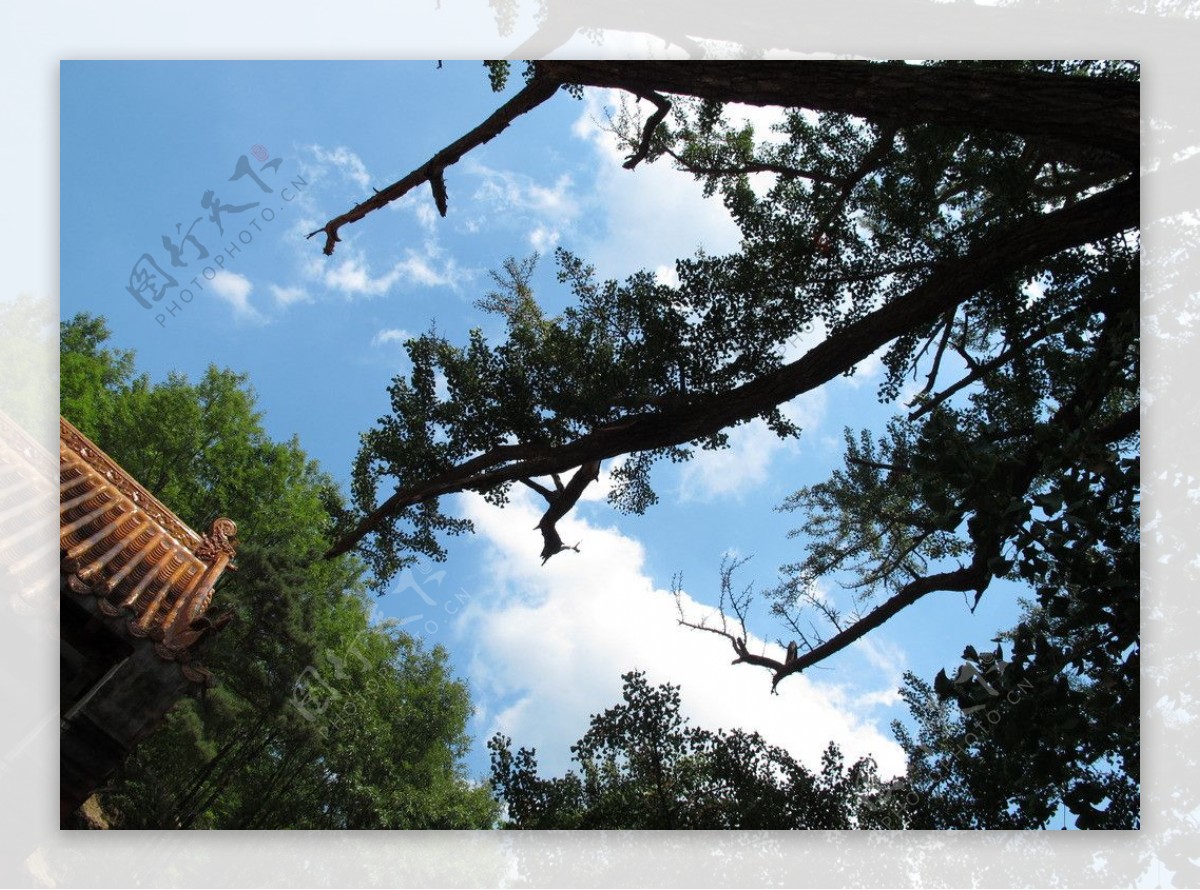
(1102, 115)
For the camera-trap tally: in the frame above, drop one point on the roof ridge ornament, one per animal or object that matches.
(218, 541)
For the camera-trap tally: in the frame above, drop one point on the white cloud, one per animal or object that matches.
(235, 290)
(657, 196)
(346, 162)
(286, 296)
(651, 198)
(543, 239)
(888, 659)
(426, 215)
(732, 471)
(556, 200)
(550, 644)
(432, 268)
(509, 192)
(666, 275)
(349, 273)
(390, 335)
(352, 275)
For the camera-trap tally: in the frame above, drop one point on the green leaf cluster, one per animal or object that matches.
(642, 766)
(321, 718)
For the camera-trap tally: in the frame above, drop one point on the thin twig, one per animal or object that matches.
(937, 359)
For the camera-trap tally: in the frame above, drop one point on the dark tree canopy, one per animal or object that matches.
(975, 222)
(642, 766)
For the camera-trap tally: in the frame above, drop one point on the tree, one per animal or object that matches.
(975, 221)
(643, 767)
(1006, 743)
(310, 691)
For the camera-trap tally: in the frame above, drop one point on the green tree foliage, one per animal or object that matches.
(976, 225)
(1007, 743)
(320, 719)
(978, 240)
(642, 766)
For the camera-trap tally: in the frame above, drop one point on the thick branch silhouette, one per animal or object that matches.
(977, 574)
(950, 283)
(1099, 115)
(433, 171)
(1087, 121)
(561, 501)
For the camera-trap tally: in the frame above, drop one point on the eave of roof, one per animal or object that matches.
(147, 570)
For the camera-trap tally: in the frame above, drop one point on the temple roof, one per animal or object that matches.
(149, 573)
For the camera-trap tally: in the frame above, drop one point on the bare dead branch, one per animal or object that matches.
(832, 615)
(791, 622)
(719, 631)
(738, 605)
(741, 605)
(537, 91)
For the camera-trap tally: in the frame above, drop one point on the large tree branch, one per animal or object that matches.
(787, 172)
(662, 108)
(537, 91)
(1099, 115)
(949, 284)
(1025, 470)
(560, 503)
(1087, 121)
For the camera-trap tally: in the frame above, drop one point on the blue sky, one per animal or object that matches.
(320, 337)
